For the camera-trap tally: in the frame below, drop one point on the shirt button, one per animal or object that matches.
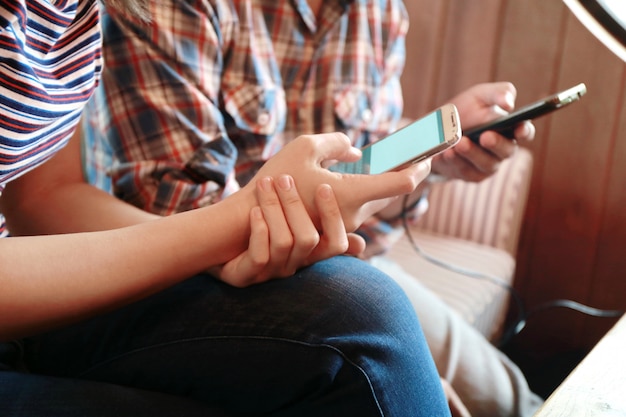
(263, 119)
(366, 115)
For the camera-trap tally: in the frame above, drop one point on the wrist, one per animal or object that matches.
(234, 214)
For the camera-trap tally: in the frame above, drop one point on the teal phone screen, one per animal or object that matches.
(400, 147)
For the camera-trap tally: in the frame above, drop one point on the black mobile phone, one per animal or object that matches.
(506, 125)
(415, 142)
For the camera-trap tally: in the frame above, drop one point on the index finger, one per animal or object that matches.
(525, 131)
(389, 184)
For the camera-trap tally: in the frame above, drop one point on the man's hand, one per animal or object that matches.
(479, 104)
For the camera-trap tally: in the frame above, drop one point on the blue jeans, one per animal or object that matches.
(339, 338)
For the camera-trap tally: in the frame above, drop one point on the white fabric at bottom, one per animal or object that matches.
(489, 383)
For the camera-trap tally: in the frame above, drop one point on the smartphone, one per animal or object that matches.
(415, 142)
(506, 125)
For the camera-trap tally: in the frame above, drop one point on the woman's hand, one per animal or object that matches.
(283, 237)
(358, 196)
(479, 104)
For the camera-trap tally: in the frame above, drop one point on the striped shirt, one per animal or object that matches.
(193, 104)
(49, 66)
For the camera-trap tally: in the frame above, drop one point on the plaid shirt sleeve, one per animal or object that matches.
(155, 132)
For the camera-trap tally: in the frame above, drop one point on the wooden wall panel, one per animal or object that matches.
(530, 50)
(450, 47)
(608, 286)
(575, 226)
(424, 54)
(572, 187)
(469, 45)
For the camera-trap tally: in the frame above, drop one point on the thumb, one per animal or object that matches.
(503, 95)
(335, 146)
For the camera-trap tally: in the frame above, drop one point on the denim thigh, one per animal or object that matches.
(338, 338)
(30, 395)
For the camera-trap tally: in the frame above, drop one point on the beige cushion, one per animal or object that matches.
(480, 300)
(488, 212)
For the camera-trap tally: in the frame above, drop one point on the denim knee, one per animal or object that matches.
(378, 329)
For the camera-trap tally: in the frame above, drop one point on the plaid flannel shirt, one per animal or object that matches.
(192, 104)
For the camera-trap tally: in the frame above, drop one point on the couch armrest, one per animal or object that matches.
(489, 212)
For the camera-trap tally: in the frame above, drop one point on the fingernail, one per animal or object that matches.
(325, 191)
(285, 182)
(256, 212)
(266, 183)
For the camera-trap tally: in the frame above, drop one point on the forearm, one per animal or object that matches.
(74, 208)
(52, 280)
(55, 199)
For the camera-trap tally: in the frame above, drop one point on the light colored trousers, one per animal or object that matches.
(487, 381)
